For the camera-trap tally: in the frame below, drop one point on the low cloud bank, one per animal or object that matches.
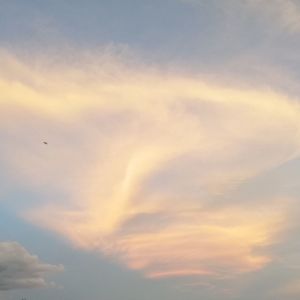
(21, 270)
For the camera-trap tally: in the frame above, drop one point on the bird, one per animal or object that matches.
(45, 143)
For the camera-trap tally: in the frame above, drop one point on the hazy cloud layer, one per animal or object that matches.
(21, 270)
(143, 165)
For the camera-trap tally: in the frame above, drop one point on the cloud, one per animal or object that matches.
(290, 290)
(141, 164)
(21, 270)
(284, 15)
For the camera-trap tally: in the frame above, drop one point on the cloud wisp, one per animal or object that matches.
(286, 13)
(141, 164)
(21, 270)
(282, 15)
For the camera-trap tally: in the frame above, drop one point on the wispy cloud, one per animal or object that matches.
(290, 290)
(282, 15)
(19, 269)
(141, 164)
(285, 13)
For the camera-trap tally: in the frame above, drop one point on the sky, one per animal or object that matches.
(150, 149)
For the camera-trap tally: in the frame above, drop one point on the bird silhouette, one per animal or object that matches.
(45, 143)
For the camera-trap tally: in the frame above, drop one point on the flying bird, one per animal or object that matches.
(45, 143)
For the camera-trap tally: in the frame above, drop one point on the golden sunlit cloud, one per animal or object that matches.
(137, 160)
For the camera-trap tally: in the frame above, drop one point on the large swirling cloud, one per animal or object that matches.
(141, 164)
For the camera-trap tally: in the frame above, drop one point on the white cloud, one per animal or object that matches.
(20, 270)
